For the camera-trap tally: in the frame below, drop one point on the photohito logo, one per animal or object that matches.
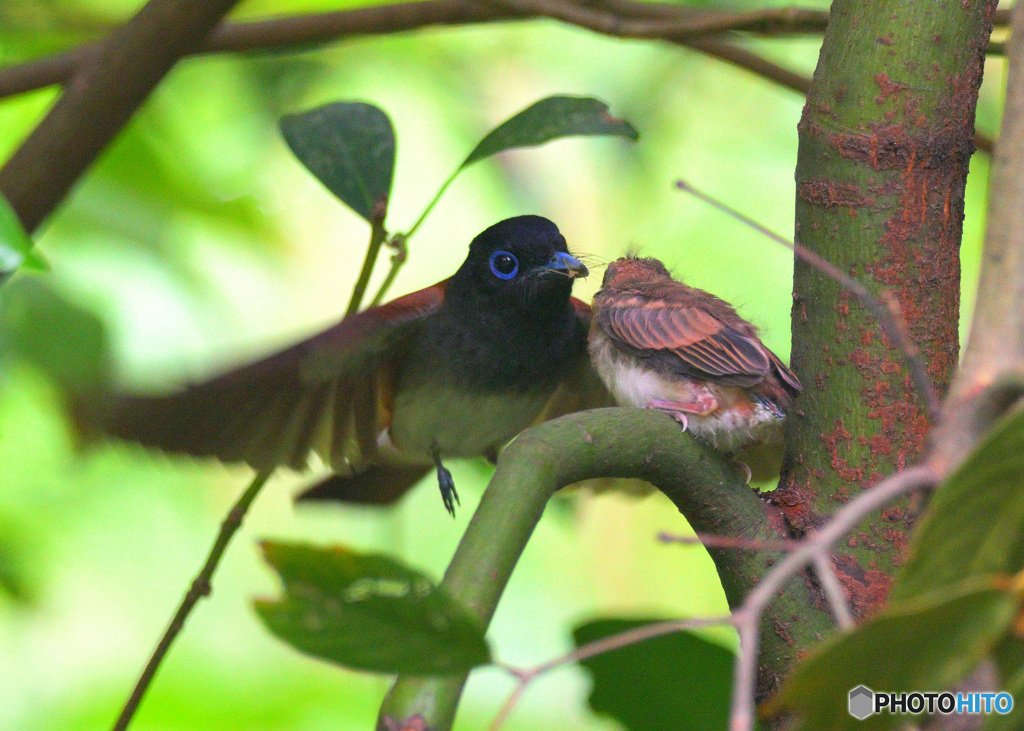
(864, 702)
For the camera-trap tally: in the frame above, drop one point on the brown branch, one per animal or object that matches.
(620, 18)
(100, 99)
(200, 588)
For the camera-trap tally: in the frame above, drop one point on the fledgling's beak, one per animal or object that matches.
(566, 265)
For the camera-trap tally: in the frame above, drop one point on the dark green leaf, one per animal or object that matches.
(15, 245)
(672, 683)
(350, 148)
(549, 119)
(974, 524)
(60, 338)
(368, 612)
(924, 644)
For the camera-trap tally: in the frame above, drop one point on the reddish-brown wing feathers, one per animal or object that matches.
(332, 393)
(688, 331)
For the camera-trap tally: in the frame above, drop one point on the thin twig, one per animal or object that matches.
(525, 676)
(886, 319)
(200, 588)
(748, 616)
(833, 590)
(398, 243)
(743, 544)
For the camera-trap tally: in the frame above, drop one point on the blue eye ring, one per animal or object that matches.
(500, 261)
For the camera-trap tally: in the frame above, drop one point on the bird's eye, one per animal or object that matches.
(504, 265)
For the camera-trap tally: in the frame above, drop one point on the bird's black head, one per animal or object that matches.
(522, 262)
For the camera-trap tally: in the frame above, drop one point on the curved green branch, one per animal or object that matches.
(631, 443)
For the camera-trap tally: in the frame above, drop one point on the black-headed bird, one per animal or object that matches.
(660, 344)
(453, 370)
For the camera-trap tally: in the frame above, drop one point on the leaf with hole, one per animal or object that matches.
(677, 682)
(549, 119)
(927, 643)
(974, 524)
(369, 612)
(350, 148)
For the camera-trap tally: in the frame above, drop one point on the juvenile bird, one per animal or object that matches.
(660, 344)
(453, 370)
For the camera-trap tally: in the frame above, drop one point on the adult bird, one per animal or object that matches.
(660, 344)
(453, 370)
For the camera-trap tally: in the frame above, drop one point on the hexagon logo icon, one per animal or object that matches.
(862, 702)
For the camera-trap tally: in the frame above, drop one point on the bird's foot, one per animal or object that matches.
(703, 405)
(449, 495)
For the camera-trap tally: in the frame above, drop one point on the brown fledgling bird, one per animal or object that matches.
(660, 344)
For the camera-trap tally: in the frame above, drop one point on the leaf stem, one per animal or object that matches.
(398, 243)
(200, 588)
(378, 235)
(433, 202)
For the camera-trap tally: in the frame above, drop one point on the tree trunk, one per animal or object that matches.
(885, 140)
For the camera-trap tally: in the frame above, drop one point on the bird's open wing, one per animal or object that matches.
(332, 393)
(685, 339)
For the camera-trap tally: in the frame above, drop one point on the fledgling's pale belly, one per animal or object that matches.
(733, 424)
(458, 423)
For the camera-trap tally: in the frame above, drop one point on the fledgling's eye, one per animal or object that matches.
(504, 265)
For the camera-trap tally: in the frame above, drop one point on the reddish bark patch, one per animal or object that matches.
(827, 193)
(888, 86)
(866, 589)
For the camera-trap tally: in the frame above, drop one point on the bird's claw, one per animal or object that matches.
(449, 495)
(744, 469)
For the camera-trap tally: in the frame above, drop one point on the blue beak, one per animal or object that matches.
(566, 264)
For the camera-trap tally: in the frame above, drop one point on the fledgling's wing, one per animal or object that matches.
(332, 393)
(685, 338)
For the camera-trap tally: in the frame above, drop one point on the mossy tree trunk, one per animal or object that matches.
(885, 141)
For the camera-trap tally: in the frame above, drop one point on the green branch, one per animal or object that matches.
(631, 443)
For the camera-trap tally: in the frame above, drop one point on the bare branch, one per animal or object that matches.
(200, 588)
(887, 319)
(748, 616)
(700, 30)
(598, 647)
(102, 96)
(833, 590)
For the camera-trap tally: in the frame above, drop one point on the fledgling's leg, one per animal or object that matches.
(702, 404)
(449, 495)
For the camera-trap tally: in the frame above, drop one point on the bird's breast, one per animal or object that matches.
(460, 423)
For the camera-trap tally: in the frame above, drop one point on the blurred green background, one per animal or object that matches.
(199, 240)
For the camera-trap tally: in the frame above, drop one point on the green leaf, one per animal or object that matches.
(16, 249)
(974, 525)
(62, 339)
(924, 644)
(350, 148)
(549, 119)
(676, 682)
(368, 612)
